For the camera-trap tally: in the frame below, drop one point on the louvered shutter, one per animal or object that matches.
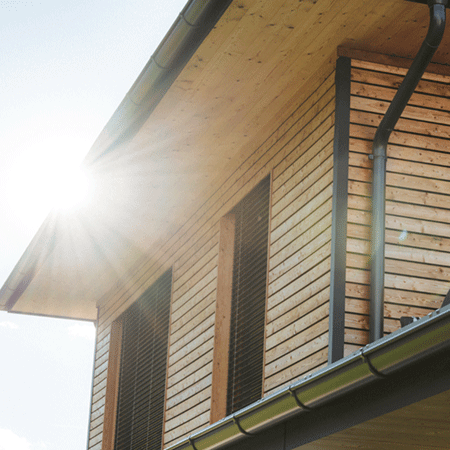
(145, 330)
(245, 372)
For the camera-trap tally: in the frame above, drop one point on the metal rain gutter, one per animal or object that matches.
(380, 359)
(189, 30)
(29, 264)
(379, 156)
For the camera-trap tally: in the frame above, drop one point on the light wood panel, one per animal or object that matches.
(417, 193)
(223, 318)
(299, 264)
(226, 122)
(424, 424)
(195, 254)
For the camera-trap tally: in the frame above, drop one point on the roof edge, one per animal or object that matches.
(29, 263)
(184, 37)
(191, 27)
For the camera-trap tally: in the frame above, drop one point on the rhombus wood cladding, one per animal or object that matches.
(417, 193)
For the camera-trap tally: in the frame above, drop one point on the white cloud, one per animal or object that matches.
(10, 441)
(84, 330)
(11, 325)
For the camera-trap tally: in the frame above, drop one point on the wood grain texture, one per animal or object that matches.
(417, 194)
(299, 264)
(223, 319)
(257, 97)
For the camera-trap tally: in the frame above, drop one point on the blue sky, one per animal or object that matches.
(46, 382)
(65, 67)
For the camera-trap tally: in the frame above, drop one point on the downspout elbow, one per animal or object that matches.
(437, 23)
(380, 142)
(379, 156)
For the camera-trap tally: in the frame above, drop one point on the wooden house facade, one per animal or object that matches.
(226, 259)
(296, 164)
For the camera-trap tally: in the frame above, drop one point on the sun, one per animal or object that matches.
(71, 188)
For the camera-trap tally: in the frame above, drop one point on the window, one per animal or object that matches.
(145, 331)
(248, 304)
(241, 304)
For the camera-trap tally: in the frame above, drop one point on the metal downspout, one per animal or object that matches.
(412, 78)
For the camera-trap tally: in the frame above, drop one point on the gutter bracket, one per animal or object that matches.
(152, 59)
(366, 360)
(299, 403)
(236, 422)
(191, 443)
(183, 17)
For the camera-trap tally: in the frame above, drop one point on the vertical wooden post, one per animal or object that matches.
(112, 386)
(223, 318)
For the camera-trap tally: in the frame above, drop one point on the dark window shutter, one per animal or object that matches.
(245, 371)
(145, 331)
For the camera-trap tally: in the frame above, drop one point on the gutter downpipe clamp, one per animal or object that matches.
(379, 156)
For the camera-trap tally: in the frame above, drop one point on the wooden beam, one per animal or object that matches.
(223, 318)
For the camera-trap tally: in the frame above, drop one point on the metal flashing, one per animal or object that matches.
(339, 210)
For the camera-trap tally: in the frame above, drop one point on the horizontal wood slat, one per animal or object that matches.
(319, 284)
(299, 153)
(183, 379)
(417, 193)
(315, 358)
(299, 264)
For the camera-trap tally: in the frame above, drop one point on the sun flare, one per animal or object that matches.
(71, 189)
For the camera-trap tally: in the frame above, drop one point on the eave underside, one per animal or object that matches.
(242, 82)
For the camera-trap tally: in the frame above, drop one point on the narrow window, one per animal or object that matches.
(145, 330)
(241, 301)
(248, 305)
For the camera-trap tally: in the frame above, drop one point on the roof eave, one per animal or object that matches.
(188, 31)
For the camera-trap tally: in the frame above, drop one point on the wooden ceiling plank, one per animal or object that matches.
(242, 73)
(213, 45)
(250, 26)
(243, 88)
(274, 79)
(276, 76)
(373, 24)
(198, 68)
(396, 28)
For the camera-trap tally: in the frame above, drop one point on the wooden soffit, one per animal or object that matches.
(247, 76)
